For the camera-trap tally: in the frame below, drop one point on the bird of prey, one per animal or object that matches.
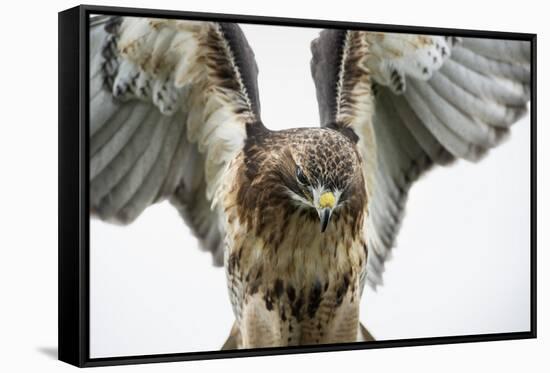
(301, 219)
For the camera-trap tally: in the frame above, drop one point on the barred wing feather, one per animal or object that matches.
(170, 102)
(412, 101)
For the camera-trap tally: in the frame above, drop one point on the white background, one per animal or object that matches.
(461, 267)
(28, 146)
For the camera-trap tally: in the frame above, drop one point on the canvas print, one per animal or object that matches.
(249, 184)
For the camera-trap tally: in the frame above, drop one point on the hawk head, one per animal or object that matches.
(326, 172)
(315, 172)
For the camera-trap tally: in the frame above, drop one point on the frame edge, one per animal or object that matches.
(69, 254)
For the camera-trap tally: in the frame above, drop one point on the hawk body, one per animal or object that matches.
(301, 218)
(289, 282)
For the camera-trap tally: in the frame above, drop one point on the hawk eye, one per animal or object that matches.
(301, 176)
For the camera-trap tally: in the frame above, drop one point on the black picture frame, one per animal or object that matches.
(73, 333)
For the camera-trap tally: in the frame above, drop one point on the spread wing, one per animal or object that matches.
(170, 104)
(412, 101)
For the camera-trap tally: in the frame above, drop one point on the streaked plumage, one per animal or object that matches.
(300, 218)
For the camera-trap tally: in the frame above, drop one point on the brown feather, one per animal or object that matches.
(289, 283)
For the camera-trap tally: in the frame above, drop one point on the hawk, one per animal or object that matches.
(301, 219)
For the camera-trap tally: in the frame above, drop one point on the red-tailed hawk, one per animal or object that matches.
(301, 218)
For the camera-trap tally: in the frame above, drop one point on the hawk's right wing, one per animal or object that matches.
(412, 101)
(170, 105)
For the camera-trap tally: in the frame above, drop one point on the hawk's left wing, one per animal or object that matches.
(171, 103)
(411, 101)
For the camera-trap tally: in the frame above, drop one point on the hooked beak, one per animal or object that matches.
(324, 215)
(326, 204)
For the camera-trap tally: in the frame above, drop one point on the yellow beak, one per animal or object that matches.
(327, 200)
(326, 204)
